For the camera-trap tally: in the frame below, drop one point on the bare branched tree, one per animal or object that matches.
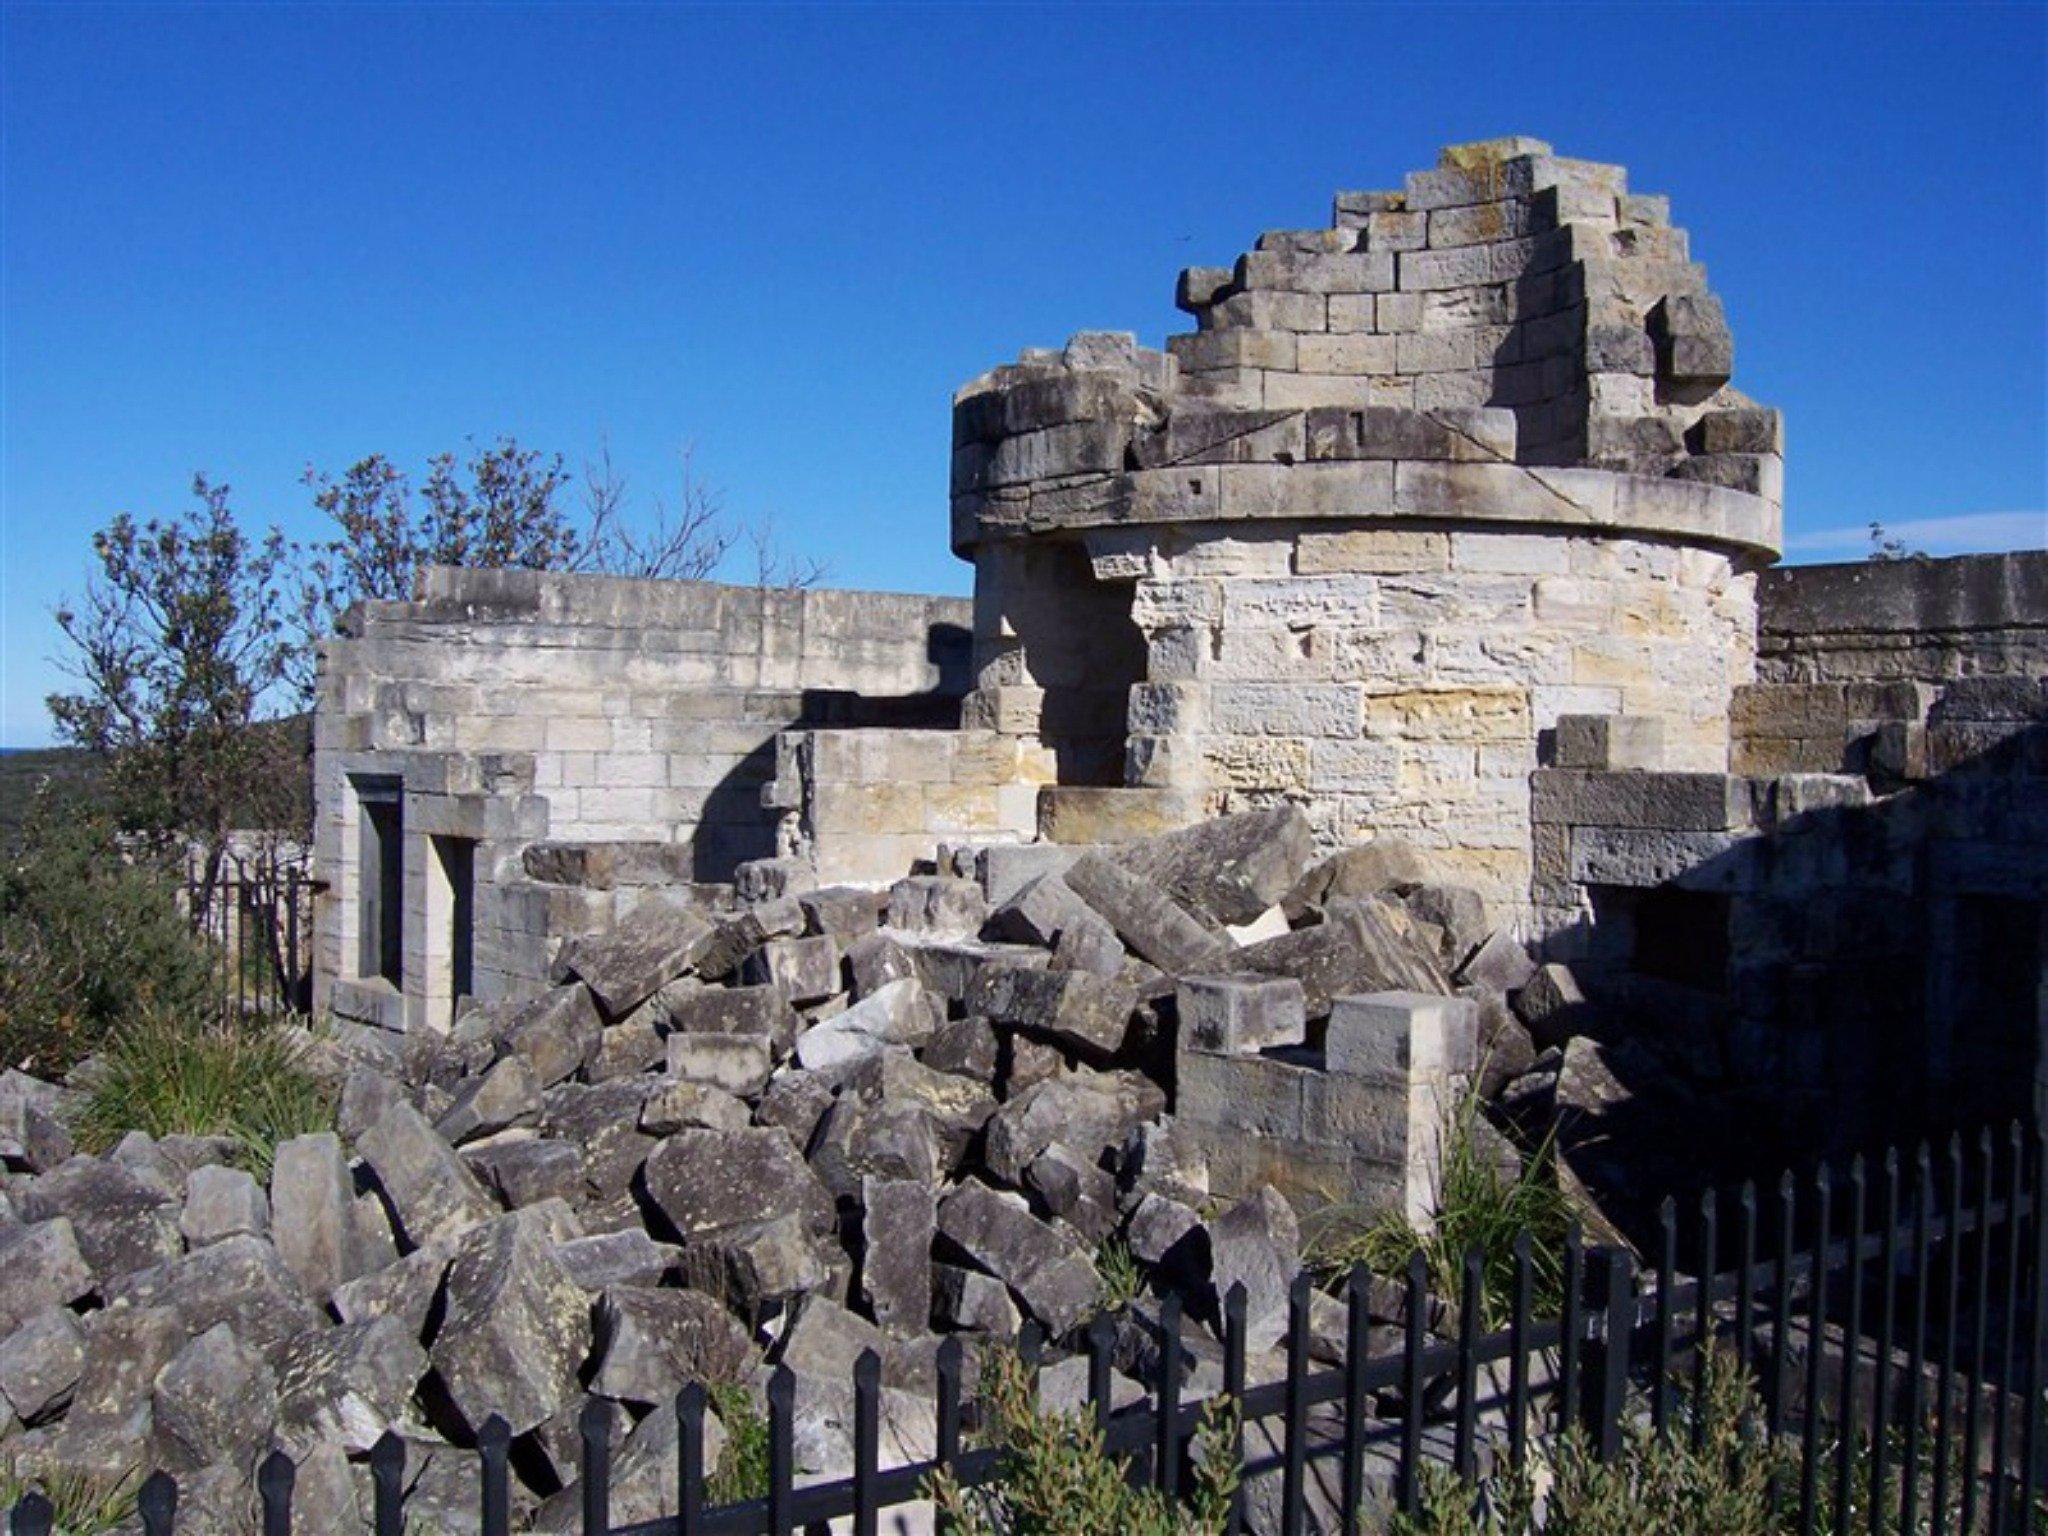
(684, 540)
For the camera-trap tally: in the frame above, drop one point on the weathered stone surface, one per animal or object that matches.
(503, 1094)
(864, 1138)
(406, 1290)
(969, 1301)
(105, 1433)
(898, 1013)
(346, 1386)
(240, 1281)
(1147, 919)
(939, 905)
(216, 1401)
(222, 1202)
(950, 968)
(734, 1064)
(1041, 911)
(756, 1010)
(1500, 964)
(517, 1327)
(1162, 1230)
(876, 959)
(627, 1257)
(32, 1133)
(434, 1198)
(557, 1033)
(757, 1262)
(957, 1106)
(1078, 1007)
(1383, 864)
(802, 970)
(680, 1106)
(1553, 1006)
(1050, 1273)
(632, 1045)
(794, 1103)
(1229, 869)
(121, 1223)
(1233, 1014)
(1088, 1112)
(1080, 1193)
(1587, 1087)
(314, 1197)
(965, 1047)
(1257, 1243)
(652, 945)
(1397, 1034)
(40, 1362)
(650, 1343)
(528, 1171)
(601, 1120)
(1354, 949)
(898, 1218)
(707, 1181)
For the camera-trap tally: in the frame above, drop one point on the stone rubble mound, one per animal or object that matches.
(820, 1122)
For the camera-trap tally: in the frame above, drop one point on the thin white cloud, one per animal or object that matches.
(1957, 534)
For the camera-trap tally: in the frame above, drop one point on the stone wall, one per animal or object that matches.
(509, 708)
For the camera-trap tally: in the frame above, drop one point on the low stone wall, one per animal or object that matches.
(504, 708)
(863, 807)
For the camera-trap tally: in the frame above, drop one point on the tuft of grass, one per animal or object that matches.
(247, 1079)
(1479, 1206)
(1056, 1478)
(742, 1470)
(1117, 1280)
(84, 1506)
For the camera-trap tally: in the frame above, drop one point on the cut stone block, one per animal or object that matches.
(1403, 1033)
(1236, 1014)
(434, 1198)
(1050, 1273)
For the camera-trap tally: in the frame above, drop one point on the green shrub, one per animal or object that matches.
(1478, 1206)
(163, 1074)
(1057, 1479)
(88, 940)
(1117, 1281)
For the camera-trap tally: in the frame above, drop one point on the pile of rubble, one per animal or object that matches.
(808, 1124)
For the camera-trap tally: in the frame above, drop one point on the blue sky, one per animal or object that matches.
(246, 238)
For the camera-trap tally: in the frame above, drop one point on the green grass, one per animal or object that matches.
(1117, 1280)
(742, 1470)
(166, 1075)
(1478, 1207)
(84, 1506)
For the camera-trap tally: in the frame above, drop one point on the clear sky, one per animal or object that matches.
(245, 238)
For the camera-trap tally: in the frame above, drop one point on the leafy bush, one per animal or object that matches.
(1057, 1479)
(1479, 1206)
(1117, 1281)
(742, 1470)
(88, 940)
(248, 1079)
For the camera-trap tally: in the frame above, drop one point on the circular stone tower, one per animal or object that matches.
(1418, 485)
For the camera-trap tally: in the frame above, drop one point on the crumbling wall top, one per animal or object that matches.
(1512, 337)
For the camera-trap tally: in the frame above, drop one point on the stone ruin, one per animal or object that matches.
(1379, 698)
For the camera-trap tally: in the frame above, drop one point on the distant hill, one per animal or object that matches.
(24, 770)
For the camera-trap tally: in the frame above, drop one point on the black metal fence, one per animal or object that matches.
(255, 918)
(1891, 1317)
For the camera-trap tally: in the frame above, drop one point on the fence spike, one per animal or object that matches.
(494, 1448)
(274, 1479)
(594, 1428)
(387, 1473)
(157, 1502)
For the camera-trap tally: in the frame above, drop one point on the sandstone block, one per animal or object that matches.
(222, 1202)
(433, 1196)
(1403, 1033)
(898, 1219)
(1608, 742)
(1235, 1015)
(735, 1064)
(1050, 1273)
(652, 1343)
(517, 1327)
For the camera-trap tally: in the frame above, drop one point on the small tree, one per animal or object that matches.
(181, 646)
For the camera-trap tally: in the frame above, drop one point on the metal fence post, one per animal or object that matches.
(1610, 1366)
(595, 1426)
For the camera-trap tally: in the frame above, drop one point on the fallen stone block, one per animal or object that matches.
(1004, 869)
(105, 1433)
(1088, 1112)
(346, 1386)
(1354, 949)
(1257, 1244)
(40, 1363)
(939, 905)
(633, 1045)
(406, 1290)
(735, 1064)
(216, 1401)
(1229, 869)
(900, 1013)
(757, 1010)
(601, 1120)
(222, 1202)
(1053, 1275)
(1041, 911)
(1500, 964)
(704, 1181)
(948, 967)
(1231, 1015)
(1167, 1235)
(651, 1343)
(1147, 919)
(680, 1106)
(1083, 1009)
(607, 1259)
(528, 1171)
(1383, 864)
(966, 1047)
(876, 959)
(756, 1263)
(516, 1331)
(794, 1103)
(862, 1139)
(646, 949)
(826, 1341)
(958, 1107)
(434, 1198)
(121, 1223)
(802, 970)
(898, 1218)
(969, 1301)
(844, 912)
(557, 1033)
(1553, 1006)
(1081, 1194)
(314, 1197)
(240, 1281)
